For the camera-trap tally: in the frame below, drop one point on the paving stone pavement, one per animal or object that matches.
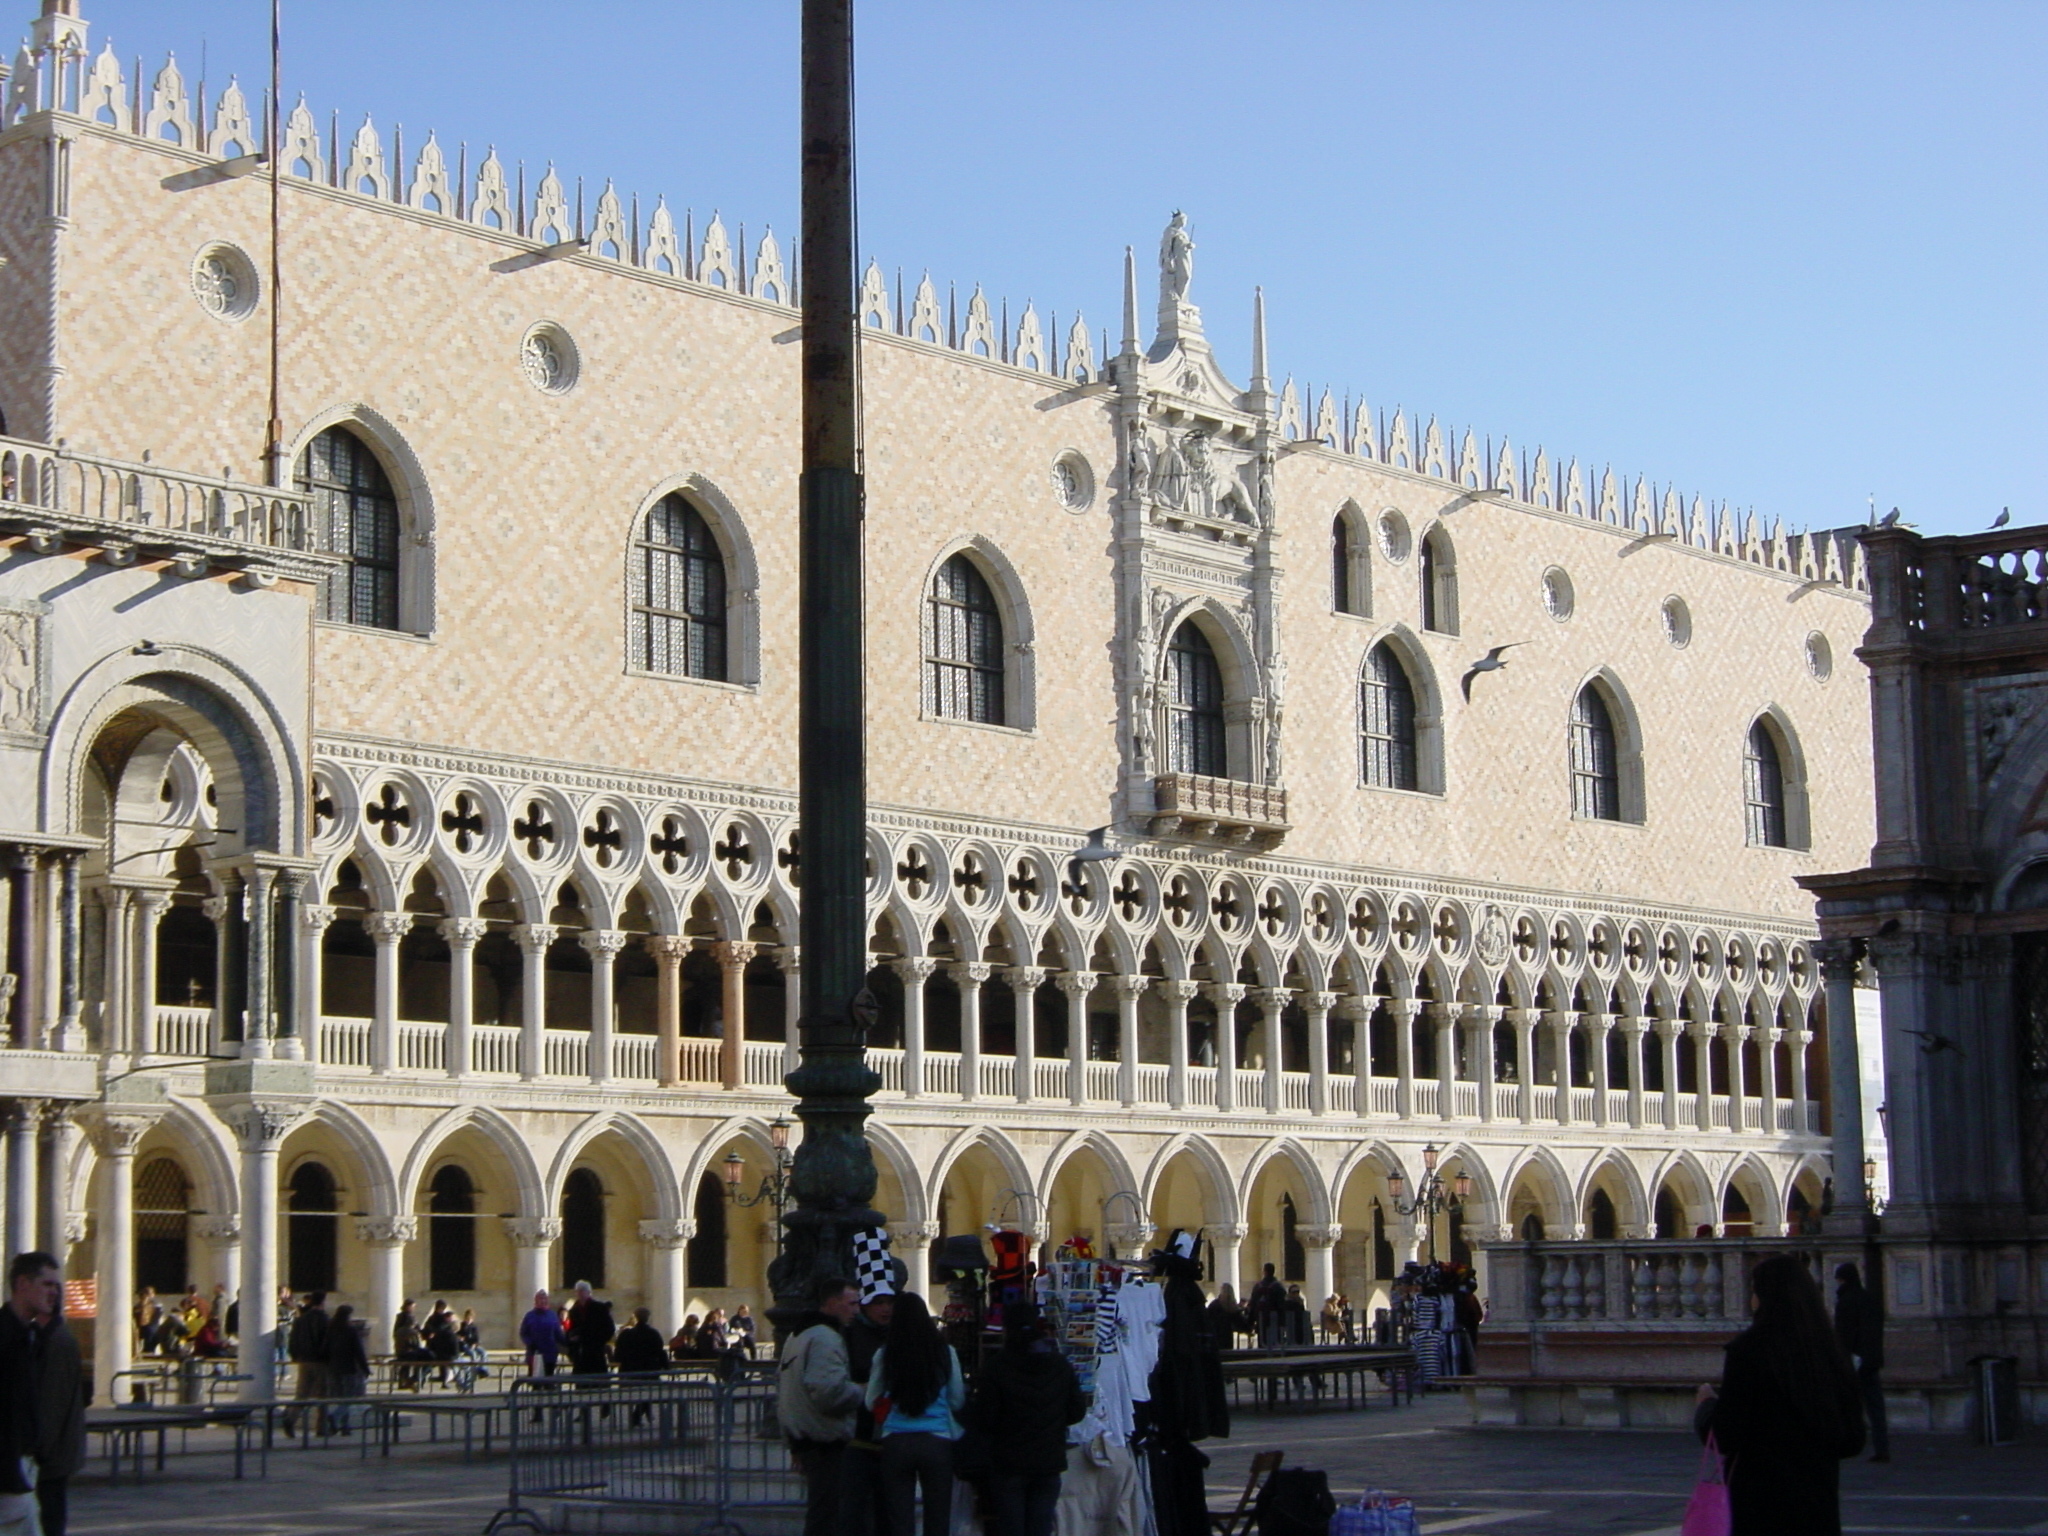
(1466, 1481)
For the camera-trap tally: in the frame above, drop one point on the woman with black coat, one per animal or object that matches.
(1024, 1398)
(1787, 1411)
(348, 1361)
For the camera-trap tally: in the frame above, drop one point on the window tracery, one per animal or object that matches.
(355, 514)
(1386, 722)
(1595, 758)
(964, 646)
(1195, 729)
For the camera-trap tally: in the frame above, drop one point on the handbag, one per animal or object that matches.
(1708, 1513)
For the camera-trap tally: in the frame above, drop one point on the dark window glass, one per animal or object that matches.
(583, 1229)
(1386, 722)
(964, 670)
(451, 1231)
(312, 1230)
(1425, 566)
(1340, 564)
(679, 601)
(1195, 741)
(1763, 788)
(1601, 1220)
(1596, 763)
(355, 516)
(162, 1199)
(706, 1252)
(1293, 1254)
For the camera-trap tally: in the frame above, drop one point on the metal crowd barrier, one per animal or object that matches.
(701, 1452)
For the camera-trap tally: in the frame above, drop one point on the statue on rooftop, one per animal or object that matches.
(1176, 260)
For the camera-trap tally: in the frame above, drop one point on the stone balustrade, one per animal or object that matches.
(1645, 1282)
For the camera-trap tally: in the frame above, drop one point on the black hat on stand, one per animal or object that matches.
(959, 1254)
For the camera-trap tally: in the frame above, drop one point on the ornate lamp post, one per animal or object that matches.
(1432, 1198)
(774, 1188)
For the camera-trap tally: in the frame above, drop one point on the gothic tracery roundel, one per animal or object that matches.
(549, 359)
(224, 282)
(1073, 481)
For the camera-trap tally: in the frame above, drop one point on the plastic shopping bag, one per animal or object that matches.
(1708, 1514)
(1375, 1514)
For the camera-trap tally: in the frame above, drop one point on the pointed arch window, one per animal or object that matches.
(583, 1228)
(1437, 569)
(163, 1198)
(451, 1230)
(679, 594)
(1595, 758)
(1195, 735)
(1340, 563)
(355, 516)
(964, 655)
(1386, 722)
(1763, 788)
(707, 1245)
(312, 1229)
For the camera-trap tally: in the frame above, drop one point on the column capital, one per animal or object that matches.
(1228, 1231)
(603, 943)
(1702, 1029)
(1319, 1002)
(790, 957)
(1770, 1034)
(1272, 997)
(1225, 994)
(533, 1231)
(387, 927)
(734, 954)
(1838, 958)
(668, 1235)
(1024, 978)
(1179, 991)
(1353, 1005)
(218, 1230)
(261, 1124)
(463, 932)
(1402, 1009)
(914, 970)
(115, 1132)
(216, 907)
(1799, 1036)
(115, 897)
(151, 898)
(534, 937)
(24, 1117)
(316, 918)
(1319, 1235)
(1076, 984)
(970, 974)
(669, 948)
(388, 1231)
(914, 1234)
(1738, 1032)
(1560, 1019)
(1634, 1025)
(1130, 1236)
(1599, 1023)
(1130, 986)
(1669, 1029)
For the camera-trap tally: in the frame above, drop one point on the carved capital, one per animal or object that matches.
(1130, 986)
(1633, 1025)
(668, 1235)
(315, 918)
(1353, 1006)
(1024, 978)
(1076, 984)
(387, 927)
(1130, 1236)
(1669, 1029)
(791, 958)
(1225, 994)
(388, 1231)
(1838, 959)
(76, 1225)
(913, 1234)
(1227, 1233)
(534, 938)
(1182, 992)
(969, 974)
(1737, 1032)
(533, 1231)
(1799, 1038)
(219, 1230)
(603, 944)
(1770, 1035)
(1315, 1235)
(1318, 1002)
(116, 1132)
(668, 948)
(260, 1124)
(914, 970)
(115, 898)
(734, 954)
(463, 933)
(215, 907)
(1402, 1010)
(1273, 999)
(24, 1117)
(151, 903)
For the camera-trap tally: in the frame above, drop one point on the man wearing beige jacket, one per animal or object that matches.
(816, 1397)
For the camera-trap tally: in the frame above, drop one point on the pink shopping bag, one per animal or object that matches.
(1707, 1514)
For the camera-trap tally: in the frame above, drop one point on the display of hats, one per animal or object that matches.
(959, 1254)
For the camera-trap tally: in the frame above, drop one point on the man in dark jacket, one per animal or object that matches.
(35, 1289)
(864, 1335)
(1859, 1324)
(589, 1333)
(1266, 1304)
(1024, 1398)
(19, 1339)
(640, 1352)
(306, 1346)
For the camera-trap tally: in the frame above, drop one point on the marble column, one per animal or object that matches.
(21, 947)
(1667, 1041)
(733, 957)
(115, 1134)
(1078, 986)
(789, 960)
(603, 946)
(1560, 1026)
(1598, 1027)
(1128, 990)
(1319, 1243)
(668, 950)
(668, 1245)
(1796, 1041)
(70, 1034)
(24, 1128)
(1481, 1017)
(1178, 995)
(1317, 1006)
(1444, 1017)
(533, 940)
(386, 1238)
(149, 912)
(55, 1218)
(291, 976)
(969, 976)
(1523, 1022)
(119, 1034)
(1226, 1244)
(911, 1241)
(387, 929)
(1272, 1005)
(260, 1126)
(914, 971)
(1226, 995)
(1767, 1038)
(259, 1031)
(1024, 982)
(1356, 1011)
(1732, 1036)
(1402, 1011)
(1703, 1074)
(462, 934)
(222, 1236)
(533, 1244)
(1838, 964)
(314, 921)
(1633, 1028)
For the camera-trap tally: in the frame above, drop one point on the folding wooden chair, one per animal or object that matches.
(1238, 1522)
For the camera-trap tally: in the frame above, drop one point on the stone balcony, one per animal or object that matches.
(1197, 805)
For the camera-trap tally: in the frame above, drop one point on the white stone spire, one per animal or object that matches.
(1131, 343)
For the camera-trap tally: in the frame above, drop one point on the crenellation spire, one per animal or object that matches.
(1131, 343)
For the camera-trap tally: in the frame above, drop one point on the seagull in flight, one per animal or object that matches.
(1932, 1044)
(1094, 851)
(1492, 661)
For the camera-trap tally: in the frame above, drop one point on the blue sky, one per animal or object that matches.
(1784, 256)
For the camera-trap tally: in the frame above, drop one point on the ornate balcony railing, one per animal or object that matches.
(1636, 1283)
(1229, 810)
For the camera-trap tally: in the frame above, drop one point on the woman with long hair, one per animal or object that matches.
(1025, 1396)
(916, 1392)
(1787, 1411)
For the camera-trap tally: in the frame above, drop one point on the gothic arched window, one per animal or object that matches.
(1195, 737)
(1763, 788)
(451, 1230)
(1386, 722)
(583, 1228)
(1595, 758)
(1340, 563)
(1437, 570)
(963, 667)
(312, 1229)
(679, 594)
(355, 516)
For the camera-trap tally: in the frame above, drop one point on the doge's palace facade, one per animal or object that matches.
(403, 866)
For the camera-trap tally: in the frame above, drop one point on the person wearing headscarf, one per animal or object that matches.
(1787, 1410)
